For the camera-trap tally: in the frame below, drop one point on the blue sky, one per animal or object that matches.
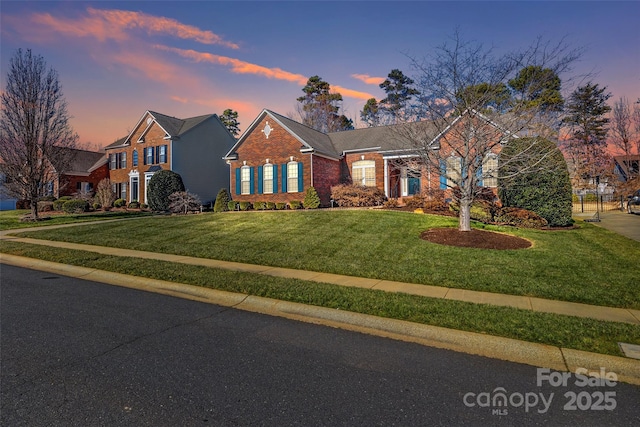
(118, 59)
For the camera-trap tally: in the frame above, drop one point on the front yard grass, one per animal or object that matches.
(586, 265)
(557, 330)
(11, 219)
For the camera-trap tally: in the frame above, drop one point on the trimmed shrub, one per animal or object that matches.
(260, 206)
(296, 204)
(232, 205)
(280, 206)
(357, 195)
(311, 199)
(75, 206)
(480, 210)
(45, 206)
(134, 205)
(245, 206)
(57, 205)
(546, 190)
(415, 202)
(96, 206)
(391, 203)
(520, 218)
(183, 202)
(222, 201)
(118, 203)
(161, 185)
(270, 206)
(144, 206)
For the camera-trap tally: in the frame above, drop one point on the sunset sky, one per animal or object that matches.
(118, 59)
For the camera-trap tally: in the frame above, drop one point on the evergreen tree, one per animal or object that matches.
(587, 121)
(370, 114)
(222, 201)
(229, 119)
(538, 87)
(320, 107)
(311, 199)
(399, 89)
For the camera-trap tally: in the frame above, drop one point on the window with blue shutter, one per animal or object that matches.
(284, 177)
(300, 178)
(251, 179)
(260, 180)
(275, 178)
(443, 175)
(479, 176)
(238, 181)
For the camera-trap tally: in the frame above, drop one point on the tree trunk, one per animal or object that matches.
(34, 209)
(464, 220)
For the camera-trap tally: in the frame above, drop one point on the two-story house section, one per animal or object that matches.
(191, 147)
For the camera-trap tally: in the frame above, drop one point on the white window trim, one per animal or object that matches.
(292, 188)
(266, 180)
(243, 180)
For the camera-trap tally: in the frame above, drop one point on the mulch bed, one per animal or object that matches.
(475, 238)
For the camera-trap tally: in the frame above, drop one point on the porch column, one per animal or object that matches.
(386, 177)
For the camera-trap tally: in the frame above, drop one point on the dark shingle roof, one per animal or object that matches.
(175, 126)
(81, 161)
(311, 137)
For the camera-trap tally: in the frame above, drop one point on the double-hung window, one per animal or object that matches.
(112, 161)
(123, 160)
(245, 180)
(267, 178)
(149, 156)
(134, 158)
(292, 177)
(490, 170)
(162, 154)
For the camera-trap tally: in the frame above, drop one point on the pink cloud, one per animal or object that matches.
(115, 24)
(368, 79)
(242, 67)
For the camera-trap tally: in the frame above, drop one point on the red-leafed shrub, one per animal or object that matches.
(520, 218)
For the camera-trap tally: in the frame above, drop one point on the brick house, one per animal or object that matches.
(276, 159)
(191, 147)
(86, 170)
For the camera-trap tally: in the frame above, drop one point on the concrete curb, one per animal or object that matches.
(540, 355)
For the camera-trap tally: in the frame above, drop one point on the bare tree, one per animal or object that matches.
(623, 133)
(466, 120)
(34, 128)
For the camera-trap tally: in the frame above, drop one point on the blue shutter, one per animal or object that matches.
(443, 175)
(260, 180)
(238, 183)
(300, 178)
(479, 176)
(157, 154)
(144, 156)
(251, 183)
(275, 178)
(284, 178)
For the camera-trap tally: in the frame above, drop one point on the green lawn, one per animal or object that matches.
(11, 219)
(588, 265)
(562, 331)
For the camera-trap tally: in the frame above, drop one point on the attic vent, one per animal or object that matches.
(149, 120)
(267, 130)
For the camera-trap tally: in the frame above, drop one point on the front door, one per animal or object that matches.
(409, 182)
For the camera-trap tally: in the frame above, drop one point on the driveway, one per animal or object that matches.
(622, 223)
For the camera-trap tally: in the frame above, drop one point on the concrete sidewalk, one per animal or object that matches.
(541, 305)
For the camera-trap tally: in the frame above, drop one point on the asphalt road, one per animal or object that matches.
(78, 353)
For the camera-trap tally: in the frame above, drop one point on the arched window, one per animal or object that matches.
(363, 172)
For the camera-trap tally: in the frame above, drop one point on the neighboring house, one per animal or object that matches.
(7, 201)
(626, 167)
(191, 147)
(86, 169)
(277, 159)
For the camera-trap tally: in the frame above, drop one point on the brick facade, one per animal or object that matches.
(70, 184)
